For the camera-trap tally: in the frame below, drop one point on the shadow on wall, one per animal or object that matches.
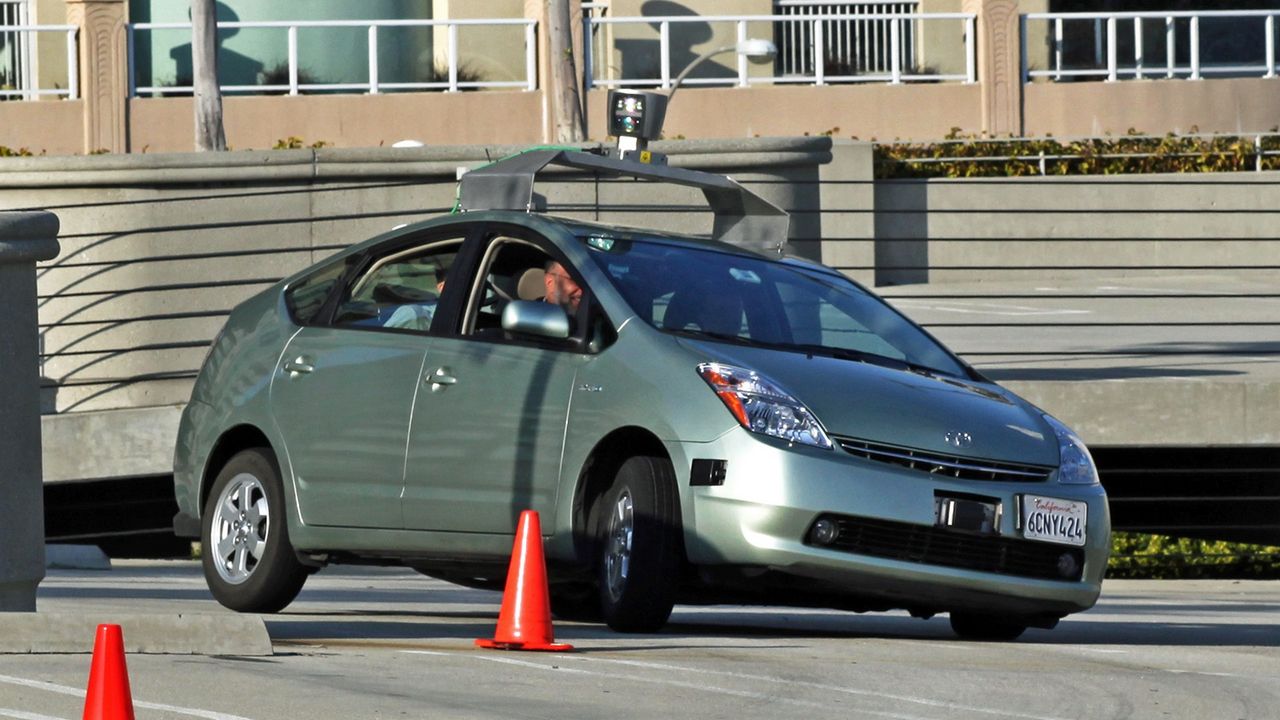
(902, 232)
(233, 68)
(642, 58)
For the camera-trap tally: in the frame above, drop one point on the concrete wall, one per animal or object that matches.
(53, 126)
(1239, 105)
(167, 125)
(1064, 228)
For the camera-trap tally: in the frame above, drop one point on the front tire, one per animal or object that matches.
(249, 564)
(640, 546)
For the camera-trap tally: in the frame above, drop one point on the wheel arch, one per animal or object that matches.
(240, 437)
(597, 475)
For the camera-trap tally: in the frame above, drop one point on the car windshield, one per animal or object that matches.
(748, 300)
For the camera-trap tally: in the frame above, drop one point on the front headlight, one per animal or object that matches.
(763, 407)
(1076, 464)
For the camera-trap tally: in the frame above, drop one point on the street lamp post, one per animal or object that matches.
(754, 49)
(636, 116)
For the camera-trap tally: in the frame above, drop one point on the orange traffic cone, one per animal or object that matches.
(108, 696)
(524, 622)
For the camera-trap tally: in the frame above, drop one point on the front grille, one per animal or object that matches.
(935, 546)
(954, 466)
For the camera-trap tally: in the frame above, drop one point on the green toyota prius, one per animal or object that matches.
(695, 421)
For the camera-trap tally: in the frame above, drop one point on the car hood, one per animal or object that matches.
(898, 407)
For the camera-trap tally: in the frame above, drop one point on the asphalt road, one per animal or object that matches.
(387, 643)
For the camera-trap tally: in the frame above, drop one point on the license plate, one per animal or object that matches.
(1054, 520)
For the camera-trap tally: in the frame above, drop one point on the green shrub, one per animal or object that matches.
(296, 143)
(963, 156)
(1138, 555)
(10, 152)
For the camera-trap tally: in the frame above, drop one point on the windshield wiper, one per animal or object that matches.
(825, 350)
(726, 337)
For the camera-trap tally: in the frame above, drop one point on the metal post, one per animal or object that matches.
(588, 52)
(1137, 45)
(1170, 53)
(1057, 48)
(25, 239)
(73, 67)
(742, 59)
(1257, 153)
(453, 57)
(293, 59)
(531, 58)
(25, 78)
(1111, 49)
(1271, 46)
(1022, 42)
(1195, 47)
(373, 59)
(970, 49)
(819, 57)
(895, 48)
(131, 49)
(664, 52)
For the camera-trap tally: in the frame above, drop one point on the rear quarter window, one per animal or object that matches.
(305, 298)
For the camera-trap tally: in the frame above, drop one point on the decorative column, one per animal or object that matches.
(25, 238)
(999, 64)
(104, 72)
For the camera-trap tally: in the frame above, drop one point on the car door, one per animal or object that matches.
(343, 392)
(489, 421)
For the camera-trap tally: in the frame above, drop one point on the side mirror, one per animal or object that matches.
(535, 318)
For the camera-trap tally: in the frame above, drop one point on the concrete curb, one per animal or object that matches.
(151, 634)
(75, 557)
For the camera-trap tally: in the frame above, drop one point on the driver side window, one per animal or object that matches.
(513, 269)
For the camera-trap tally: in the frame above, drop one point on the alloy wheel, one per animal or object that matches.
(240, 528)
(617, 555)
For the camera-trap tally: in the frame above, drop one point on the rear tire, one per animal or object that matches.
(971, 626)
(640, 545)
(249, 564)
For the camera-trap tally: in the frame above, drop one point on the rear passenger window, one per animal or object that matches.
(400, 291)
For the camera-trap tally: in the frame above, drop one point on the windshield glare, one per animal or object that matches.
(748, 300)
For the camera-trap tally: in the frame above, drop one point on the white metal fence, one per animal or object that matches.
(853, 45)
(1145, 45)
(289, 30)
(20, 77)
(813, 65)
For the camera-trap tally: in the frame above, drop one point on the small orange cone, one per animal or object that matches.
(108, 696)
(524, 623)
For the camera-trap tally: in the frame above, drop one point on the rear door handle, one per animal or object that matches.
(298, 366)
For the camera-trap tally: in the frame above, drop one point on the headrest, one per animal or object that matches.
(532, 284)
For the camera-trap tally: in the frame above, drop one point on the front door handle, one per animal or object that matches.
(299, 366)
(441, 378)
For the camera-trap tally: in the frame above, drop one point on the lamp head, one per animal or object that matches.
(757, 50)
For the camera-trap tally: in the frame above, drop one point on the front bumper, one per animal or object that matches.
(772, 494)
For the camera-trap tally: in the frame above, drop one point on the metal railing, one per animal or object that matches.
(375, 84)
(19, 76)
(858, 44)
(815, 65)
(1180, 33)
